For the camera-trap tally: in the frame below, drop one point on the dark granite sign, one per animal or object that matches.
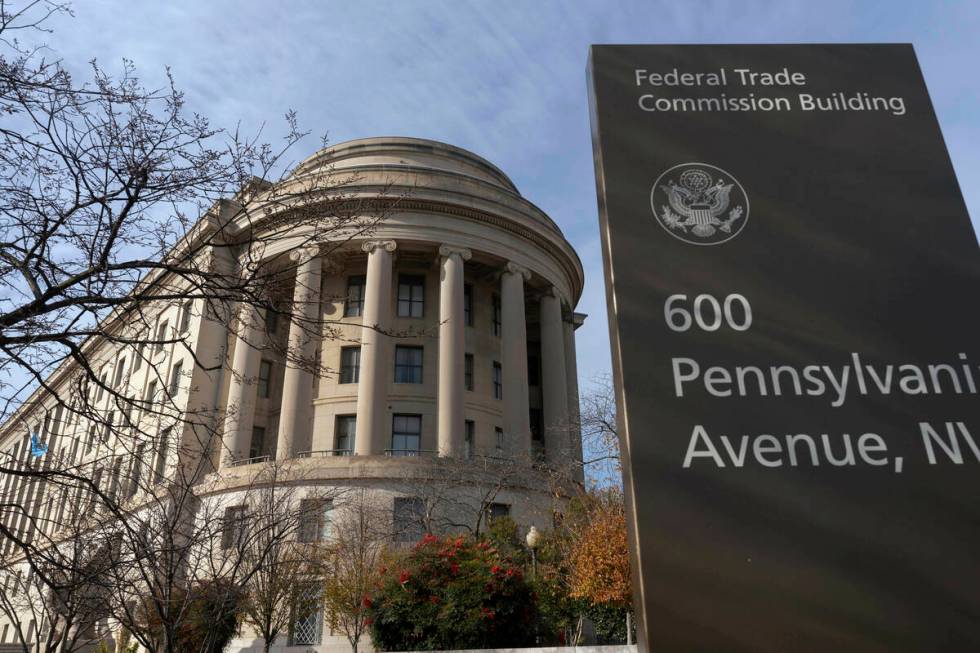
(793, 286)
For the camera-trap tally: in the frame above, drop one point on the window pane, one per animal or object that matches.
(350, 364)
(175, 373)
(265, 377)
(411, 295)
(307, 626)
(408, 364)
(469, 437)
(161, 466)
(408, 519)
(271, 321)
(498, 510)
(406, 433)
(257, 447)
(346, 427)
(496, 315)
(354, 306)
(314, 520)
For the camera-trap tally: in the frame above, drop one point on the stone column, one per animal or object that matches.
(517, 421)
(240, 408)
(554, 393)
(452, 350)
(296, 414)
(369, 438)
(571, 373)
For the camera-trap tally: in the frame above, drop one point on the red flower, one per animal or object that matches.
(454, 569)
(403, 577)
(458, 543)
(495, 569)
(487, 613)
(434, 599)
(509, 573)
(366, 601)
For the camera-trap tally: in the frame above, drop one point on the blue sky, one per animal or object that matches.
(504, 79)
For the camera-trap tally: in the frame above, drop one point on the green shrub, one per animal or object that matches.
(451, 593)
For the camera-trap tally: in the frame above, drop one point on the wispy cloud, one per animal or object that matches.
(505, 79)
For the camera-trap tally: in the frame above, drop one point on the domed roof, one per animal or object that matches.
(405, 152)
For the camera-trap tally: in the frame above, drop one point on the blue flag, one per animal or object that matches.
(38, 448)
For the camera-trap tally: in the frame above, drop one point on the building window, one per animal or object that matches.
(468, 372)
(102, 382)
(120, 370)
(307, 624)
(136, 475)
(498, 381)
(140, 353)
(468, 304)
(161, 336)
(110, 421)
(175, 373)
(233, 525)
(265, 379)
(160, 470)
(257, 446)
(185, 316)
(469, 437)
(499, 434)
(314, 520)
(151, 392)
(411, 295)
(345, 430)
(497, 510)
(496, 315)
(409, 519)
(408, 365)
(271, 321)
(406, 434)
(350, 364)
(354, 304)
(114, 479)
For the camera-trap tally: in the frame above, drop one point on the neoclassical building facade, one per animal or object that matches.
(452, 336)
(470, 291)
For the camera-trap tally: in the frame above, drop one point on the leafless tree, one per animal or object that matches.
(101, 187)
(351, 560)
(600, 438)
(456, 495)
(289, 527)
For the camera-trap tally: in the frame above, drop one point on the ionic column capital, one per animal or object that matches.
(515, 268)
(305, 253)
(386, 245)
(453, 250)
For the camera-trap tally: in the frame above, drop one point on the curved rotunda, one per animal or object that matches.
(450, 341)
(453, 319)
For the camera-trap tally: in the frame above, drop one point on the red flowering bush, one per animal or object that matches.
(451, 593)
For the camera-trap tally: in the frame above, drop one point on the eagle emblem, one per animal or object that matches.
(699, 204)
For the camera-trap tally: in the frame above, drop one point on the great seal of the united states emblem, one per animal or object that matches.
(699, 203)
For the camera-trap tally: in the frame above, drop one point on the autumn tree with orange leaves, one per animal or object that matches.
(599, 560)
